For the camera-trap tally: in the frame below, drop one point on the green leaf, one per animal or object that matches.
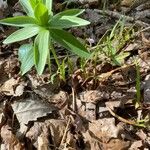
(119, 59)
(33, 3)
(41, 13)
(69, 42)
(25, 53)
(68, 21)
(48, 4)
(22, 34)
(41, 49)
(69, 12)
(36, 51)
(122, 55)
(27, 7)
(19, 21)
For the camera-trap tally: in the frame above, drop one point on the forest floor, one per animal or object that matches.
(103, 103)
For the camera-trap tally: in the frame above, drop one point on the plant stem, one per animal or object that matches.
(54, 54)
(49, 61)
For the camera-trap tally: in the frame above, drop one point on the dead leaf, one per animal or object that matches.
(92, 96)
(104, 129)
(10, 140)
(3, 4)
(116, 144)
(19, 89)
(53, 129)
(3, 75)
(7, 87)
(30, 109)
(93, 143)
(136, 145)
(59, 99)
(42, 142)
(13, 87)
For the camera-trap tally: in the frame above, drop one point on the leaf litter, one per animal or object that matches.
(95, 108)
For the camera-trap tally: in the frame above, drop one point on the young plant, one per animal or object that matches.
(138, 86)
(46, 28)
(111, 45)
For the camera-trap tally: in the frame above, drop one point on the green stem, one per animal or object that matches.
(55, 56)
(49, 61)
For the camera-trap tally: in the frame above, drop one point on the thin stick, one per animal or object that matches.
(65, 133)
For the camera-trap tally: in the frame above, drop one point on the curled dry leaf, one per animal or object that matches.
(13, 87)
(59, 99)
(8, 87)
(10, 140)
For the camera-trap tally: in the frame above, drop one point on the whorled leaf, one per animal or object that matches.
(26, 57)
(41, 13)
(68, 21)
(48, 4)
(69, 42)
(27, 7)
(19, 21)
(41, 48)
(22, 34)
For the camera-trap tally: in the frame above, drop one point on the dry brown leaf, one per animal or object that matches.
(136, 145)
(30, 109)
(10, 140)
(8, 87)
(59, 99)
(104, 129)
(116, 144)
(13, 87)
(92, 96)
(3, 74)
(43, 142)
(54, 129)
(93, 143)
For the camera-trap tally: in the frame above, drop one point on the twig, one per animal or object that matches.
(120, 118)
(73, 100)
(65, 133)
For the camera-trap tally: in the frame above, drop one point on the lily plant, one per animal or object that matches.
(46, 28)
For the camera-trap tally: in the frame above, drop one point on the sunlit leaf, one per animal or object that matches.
(25, 54)
(70, 12)
(69, 42)
(22, 34)
(27, 7)
(33, 3)
(48, 4)
(119, 59)
(41, 50)
(68, 21)
(20, 21)
(41, 13)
